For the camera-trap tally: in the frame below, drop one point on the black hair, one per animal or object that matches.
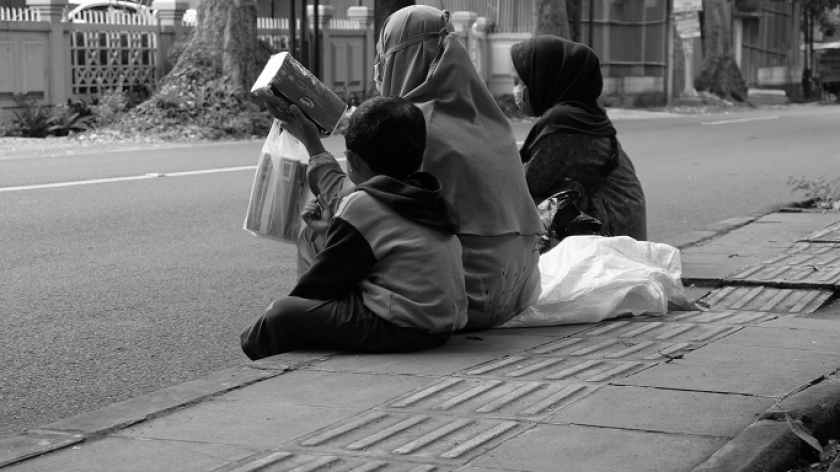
(389, 134)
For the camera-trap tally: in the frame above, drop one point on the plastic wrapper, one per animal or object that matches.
(279, 192)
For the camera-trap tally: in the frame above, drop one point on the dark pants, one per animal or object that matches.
(293, 323)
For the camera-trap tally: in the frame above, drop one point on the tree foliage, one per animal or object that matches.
(824, 13)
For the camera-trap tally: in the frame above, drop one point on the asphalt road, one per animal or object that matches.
(125, 270)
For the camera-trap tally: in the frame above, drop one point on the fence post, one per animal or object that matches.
(322, 62)
(364, 15)
(52, 11)
(478, 47)
(170, 14)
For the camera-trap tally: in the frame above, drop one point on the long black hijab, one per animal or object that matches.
(564, 82)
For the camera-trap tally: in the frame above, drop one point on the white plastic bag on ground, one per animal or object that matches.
(591, 278)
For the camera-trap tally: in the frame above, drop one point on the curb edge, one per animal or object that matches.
(768, 445)
(116, 416)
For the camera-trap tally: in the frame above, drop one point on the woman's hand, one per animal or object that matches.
(317, 215)
(300, 126)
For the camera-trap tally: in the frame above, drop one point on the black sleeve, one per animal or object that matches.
(346, 259)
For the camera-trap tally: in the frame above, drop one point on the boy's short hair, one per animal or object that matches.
(389, 134)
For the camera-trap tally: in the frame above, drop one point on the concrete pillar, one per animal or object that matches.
(170, 14)
(51, 10)
(364, 16)
(58, 61)
(462, 21)
(738, 39)
(688, 48)
(325, 14)
(321, 50)
(479, 50)
(794, 52)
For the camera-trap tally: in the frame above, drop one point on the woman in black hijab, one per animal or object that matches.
(572, 153)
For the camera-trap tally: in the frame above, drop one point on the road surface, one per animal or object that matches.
(125, 270)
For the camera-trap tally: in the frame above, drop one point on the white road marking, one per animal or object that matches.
(741, 120)
(148, 175)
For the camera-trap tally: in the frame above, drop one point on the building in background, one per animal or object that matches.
(633, 38)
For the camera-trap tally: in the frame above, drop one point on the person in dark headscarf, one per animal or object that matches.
(572, 149)
(471, 149)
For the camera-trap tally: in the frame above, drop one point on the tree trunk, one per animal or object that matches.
(720, 74)
(224, 39)
(206, 95)
(552, 18)
(382, 9)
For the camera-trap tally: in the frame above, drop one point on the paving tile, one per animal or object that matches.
(731, 223)
(696, 292)
(469, 468)
(259, 425)
(819, 220)
(801, 276)
(727, 317)
(550, 331)
(747, 243)
(328, 389)
(139, 408)
(828, 234)
(669, 411)
(417, 437)
(285, 461)
(510, 399)
(730, 368)
(798, 322)
(707, 273)
(462, 351)
(549, 448)
(765, 235)
(826, 340)
(686, 239)
(548, 368)
(807, 253)
(761, 298)
(585, 347)
(732, 250)
(725, 259)
(667, 330)
(127, 455)
(33, 443)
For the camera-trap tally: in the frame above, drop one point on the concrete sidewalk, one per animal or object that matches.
(691, 391)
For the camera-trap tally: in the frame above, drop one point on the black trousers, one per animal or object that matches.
(293, 323)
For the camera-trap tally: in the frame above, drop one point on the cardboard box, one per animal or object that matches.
(284, 81)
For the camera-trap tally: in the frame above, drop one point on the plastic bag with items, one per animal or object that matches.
(592, 278)
(279, 192)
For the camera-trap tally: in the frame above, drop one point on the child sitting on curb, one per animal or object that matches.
(390, 278)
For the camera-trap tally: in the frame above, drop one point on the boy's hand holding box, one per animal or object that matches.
(285, 82)
(279, 191)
